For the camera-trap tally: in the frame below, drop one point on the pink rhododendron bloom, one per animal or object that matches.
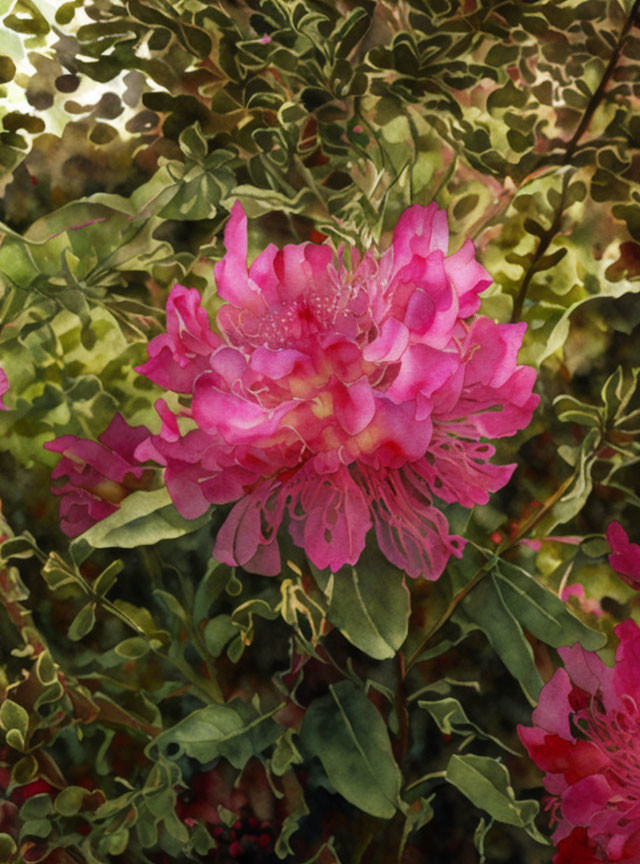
(625, 556)
(338, 398)
(4, 386)
(586, 738)
(100, 473)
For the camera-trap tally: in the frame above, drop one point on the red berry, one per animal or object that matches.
(264, 841)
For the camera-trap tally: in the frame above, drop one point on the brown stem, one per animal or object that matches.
(487, 566)
(448, 612)
(595, 100)
(543, 245)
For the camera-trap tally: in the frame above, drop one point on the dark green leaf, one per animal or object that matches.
(370, 605)
(144, 518)
(485, 782)
(236, 731)
(451, 719)
(542, 612)
(486, 607)
(83, 623)
(350, 738)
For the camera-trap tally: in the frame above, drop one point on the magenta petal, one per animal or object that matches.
(460, 470)
(587, 670)
(552, 712)
(420, 231)
(4, 386)
(411, 533)
(242, 533)
(390, 343)
(275, 364)
(423, 370)
(625, 556)
(354, 405)
(626, 677)
(232, 279)
(584, 799)
(266, 561)
(335, 518)
(182, 482)
(420, 312)
(468, 277)
(236, 419)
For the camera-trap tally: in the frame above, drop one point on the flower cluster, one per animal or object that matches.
(586, 737)
(100, 473)
(338, 395)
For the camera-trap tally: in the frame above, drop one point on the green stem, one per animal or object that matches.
(209, 691)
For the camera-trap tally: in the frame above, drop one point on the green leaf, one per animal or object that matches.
(172, 603)
(370, 605)
(351, 31)
(38, 806)
(83, 623)
(209, 589)
(486, 607)
(236, 731)
(35, 828)
(217, 632)
(573, 500)
(348, 735)
(13, 716)
(56, 574)
(479, 837)
(572, 410)
(617, 393)
(485, 782)
(133, 648)
(451, 719)
(7, 847)
(69, 801)
(108, 578)
(257, 202)
(285, 754)
(22, 546)
(143, 518)
(542, 612)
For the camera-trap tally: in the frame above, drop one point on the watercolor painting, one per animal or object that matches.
(319, 431)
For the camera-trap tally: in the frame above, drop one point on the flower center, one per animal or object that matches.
(617, 735)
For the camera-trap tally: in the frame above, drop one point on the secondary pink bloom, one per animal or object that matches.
(586, 737)
(340, 396)
(625, 556)
(587, 604)
(100, 474)
(4, 386)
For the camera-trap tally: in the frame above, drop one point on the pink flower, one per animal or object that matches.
(340, 396)
(625, 556)
(587, 604)
(100, 475)
(585, 738)
(4, 386)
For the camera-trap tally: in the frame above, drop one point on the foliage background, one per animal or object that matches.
(128, 130)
